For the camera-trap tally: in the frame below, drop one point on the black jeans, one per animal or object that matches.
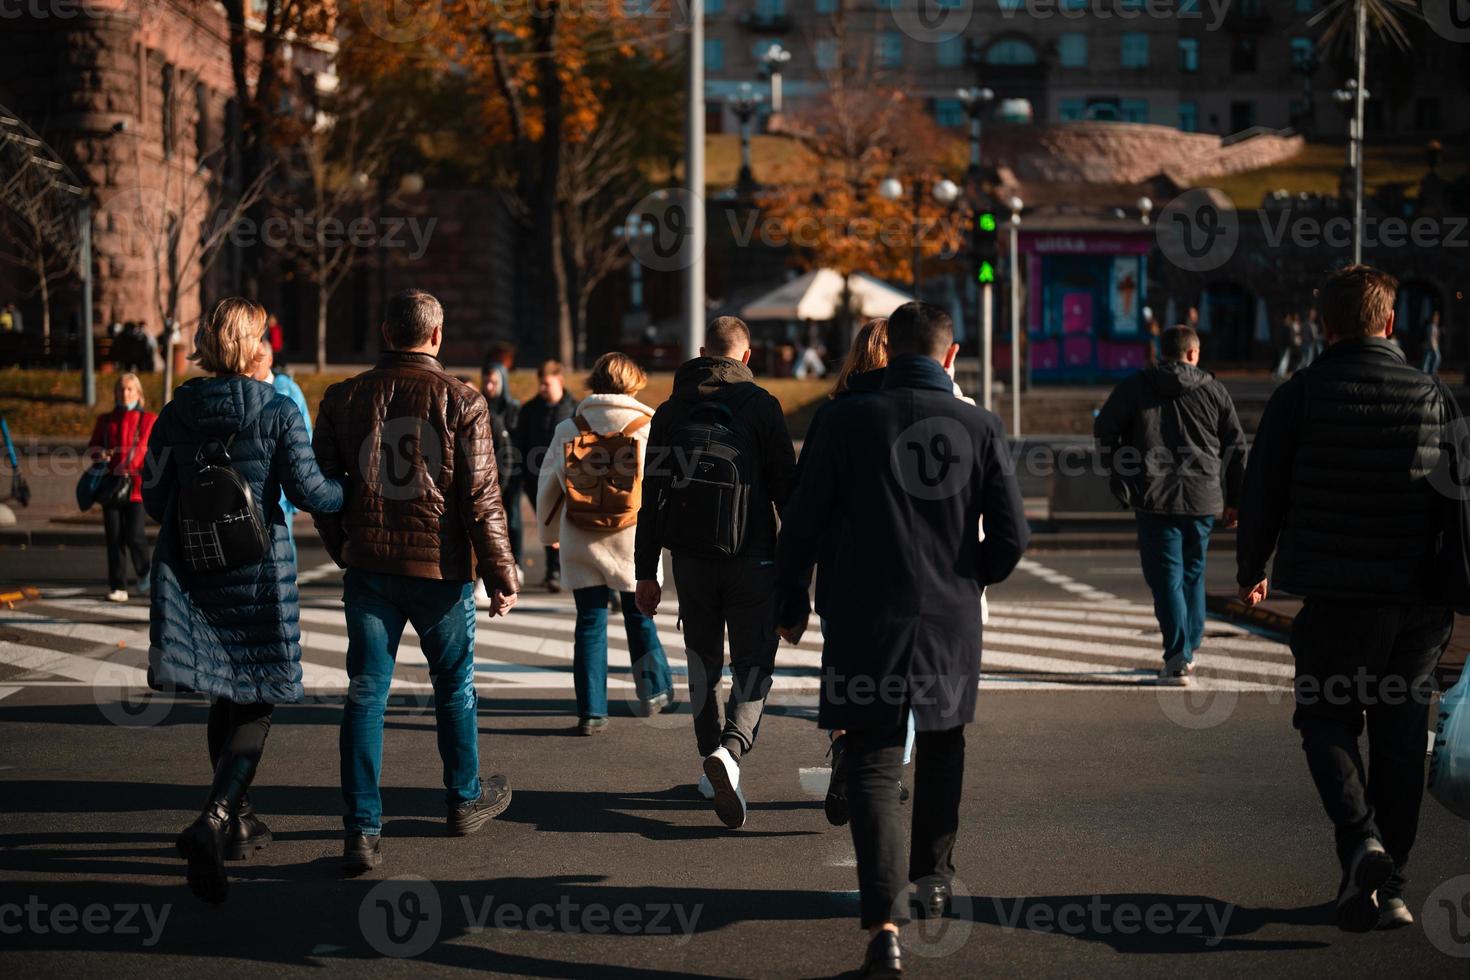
(738, 594)
(1357, 662)
(874, 765)
(237, 729)
(125, 537)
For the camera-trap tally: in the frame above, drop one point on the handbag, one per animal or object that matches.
(114, 490)
(88, 484)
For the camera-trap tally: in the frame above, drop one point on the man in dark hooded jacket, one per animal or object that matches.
(738, 591)
(1169, 436)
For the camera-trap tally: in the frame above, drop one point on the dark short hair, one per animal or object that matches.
(1177, 341)
(411, 318)
(548, 369)
(920, 328)
(725, 335)
(1356, 301)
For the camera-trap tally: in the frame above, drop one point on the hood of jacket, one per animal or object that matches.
(1173, 378)
(709, 377)
(860, 382)
(917, 371)
(222, 406)
(605, 411)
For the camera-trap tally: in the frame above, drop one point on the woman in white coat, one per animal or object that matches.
(594, 525)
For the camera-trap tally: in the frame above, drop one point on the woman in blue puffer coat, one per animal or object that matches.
(231, 635)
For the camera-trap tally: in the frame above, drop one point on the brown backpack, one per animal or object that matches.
(604, 477)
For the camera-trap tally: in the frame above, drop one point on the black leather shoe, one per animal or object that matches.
(202, 843)
(836, 806)
(246, 833)
(932, 899)
(884, 958)
(470, 817)
(361, 853)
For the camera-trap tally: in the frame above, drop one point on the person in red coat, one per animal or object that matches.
(121, 437)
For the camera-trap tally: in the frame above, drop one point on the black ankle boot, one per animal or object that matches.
(883, 958)
(202, 843)
(246, 834)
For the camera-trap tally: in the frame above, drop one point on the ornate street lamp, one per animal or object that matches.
(975, 99)
(744, 104)
(775, 60)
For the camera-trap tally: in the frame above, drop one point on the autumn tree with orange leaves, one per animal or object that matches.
(547, 82)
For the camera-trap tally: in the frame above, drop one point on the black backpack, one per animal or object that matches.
(219, 526)
(705, 503)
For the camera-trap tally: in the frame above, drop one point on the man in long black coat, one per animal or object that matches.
(897, 482)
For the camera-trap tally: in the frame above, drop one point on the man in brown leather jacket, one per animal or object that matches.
(424, 507)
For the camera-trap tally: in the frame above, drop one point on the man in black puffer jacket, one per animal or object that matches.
(1170, 437)
(1339, 487)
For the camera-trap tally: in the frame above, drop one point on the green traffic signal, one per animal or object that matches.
(987, 221)
(987, 272)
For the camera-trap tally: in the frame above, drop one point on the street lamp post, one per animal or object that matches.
(1350, 99)
(1016, 204)
(694, 182)
(744, 104)
(944, 191)
(975, 99)
(775, 60)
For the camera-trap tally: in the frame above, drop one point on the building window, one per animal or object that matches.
(1133, 110)
(1103, 110)
(1302, 51)
(826, 6)
(1242, 116)
(1189, 117)
(825, 53)
(890, 49)
(1012, 51)
(770, 9)
(1135, 50)
(166, 116)
(950, 53)
(1011, 4)
(203, 140)
(1071, 110)
(1305, 6)
(1243, 55)
(713, 7)
(949, 112)
(1072, 48)
(1188, 54)
(714, 54)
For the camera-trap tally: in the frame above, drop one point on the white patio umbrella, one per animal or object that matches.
(817, 295)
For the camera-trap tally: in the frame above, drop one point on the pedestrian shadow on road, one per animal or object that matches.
(1141, 922)
(570, 812)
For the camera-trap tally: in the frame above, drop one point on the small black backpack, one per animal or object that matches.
(219, 526)
(705, 503)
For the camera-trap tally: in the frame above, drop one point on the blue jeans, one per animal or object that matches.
(1432, 359)
(443, 614)
(589, 653)
(1172, 550)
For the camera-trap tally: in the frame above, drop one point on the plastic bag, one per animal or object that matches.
(1449, 767)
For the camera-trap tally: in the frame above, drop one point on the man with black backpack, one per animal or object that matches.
(719, 464)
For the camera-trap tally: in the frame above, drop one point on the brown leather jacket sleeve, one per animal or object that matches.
(478, 486)
(326, 444)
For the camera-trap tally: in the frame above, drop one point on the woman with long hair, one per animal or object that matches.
(231, 634)
(597, 560)
(121, 438)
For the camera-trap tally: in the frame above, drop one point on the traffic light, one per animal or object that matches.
(983, 243)
(986, 273)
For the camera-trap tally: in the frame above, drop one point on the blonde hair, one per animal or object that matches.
(128, 377)
(869, 352)
(228, 342)
(616, 373)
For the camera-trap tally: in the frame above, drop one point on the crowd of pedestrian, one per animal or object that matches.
(901, 504)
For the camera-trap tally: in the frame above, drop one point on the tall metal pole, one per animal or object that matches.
(84, 260)
(694, 182)
(987, 346)
(1015, 330)
(1360, 42)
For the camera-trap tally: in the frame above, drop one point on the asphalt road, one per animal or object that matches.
(1109, 830)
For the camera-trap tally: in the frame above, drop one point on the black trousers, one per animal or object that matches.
(237, 729)
(125, 538)
(739, 595)
(1358, 663)
(874, 765)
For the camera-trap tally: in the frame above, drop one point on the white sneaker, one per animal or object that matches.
(705, 789)
(117, 595)
(1177, 672)
(724, 777)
